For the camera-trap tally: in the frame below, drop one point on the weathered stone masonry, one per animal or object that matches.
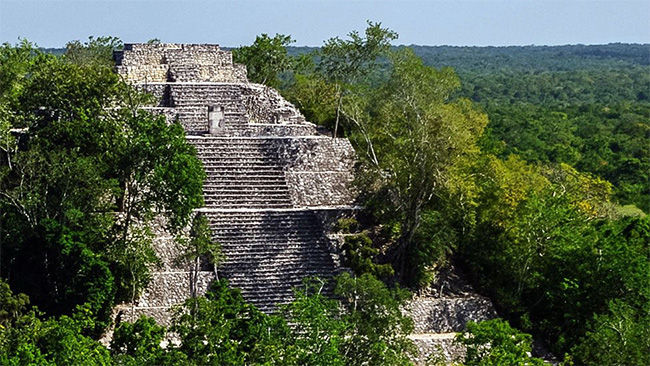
(272, 179)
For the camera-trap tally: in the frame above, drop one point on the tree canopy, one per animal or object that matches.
(83, 174)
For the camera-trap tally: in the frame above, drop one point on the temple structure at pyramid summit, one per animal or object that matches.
(275, 185)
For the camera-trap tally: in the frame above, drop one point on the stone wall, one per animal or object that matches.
(147, 63)
(266, 105)
(448, 314)
(251, 109)
(319, 171)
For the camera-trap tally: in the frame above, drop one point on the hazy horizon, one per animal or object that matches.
(480, 23)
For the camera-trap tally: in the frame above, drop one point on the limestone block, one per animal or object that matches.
(266, 105)
(320, 188)
(438, 348)
(171, 288)
(449, 314)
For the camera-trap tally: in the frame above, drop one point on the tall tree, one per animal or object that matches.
(83, 177)
(410, 134)
(265, 59)
(342, 62)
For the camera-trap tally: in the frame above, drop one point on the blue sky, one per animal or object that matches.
(51, 23)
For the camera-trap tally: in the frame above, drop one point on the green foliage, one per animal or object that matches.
(586, 106)
(433, 243)
(609, 141)
(619, 337)
(80, 184)
(202, 242)
(316, 98)
(63, 343)
(139, 343)
(97, 51)
(319, 329)
(360, 256)
(26, 339)
(378, 330)
(546, 259)
(347, 225)
(13, 306)
(201, 245)
(265, 59)
(220, 328)
(343, 61)
(410, 136)
(495, 343)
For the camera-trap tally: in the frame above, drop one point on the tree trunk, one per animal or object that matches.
(409, 228)
(194, 277)
(338, 110)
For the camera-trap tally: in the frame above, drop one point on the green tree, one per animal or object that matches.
(316, 98)
(201, 245)
(318, 328)
(495, 343)
(410, 135)
(344, 62)
(265, 59)
(80, 184)
(96, 51)
(140, 343)
(377, 330)
(219, 328)
(27, 339)
(619, 337)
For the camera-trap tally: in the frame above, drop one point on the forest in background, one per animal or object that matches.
(526, 166)
(584, 105)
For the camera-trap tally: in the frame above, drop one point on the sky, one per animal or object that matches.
(52, 23)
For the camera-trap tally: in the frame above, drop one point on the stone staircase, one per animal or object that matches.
(242, 173)
(269, 252)
(442, 311)
(271, 180)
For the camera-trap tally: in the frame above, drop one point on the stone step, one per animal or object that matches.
(247, 174)
(247, 179)
(259, 233)
(271, 199)
(240, 158)
(271, 191)
(241, 151)
(244, 161)
(237, 237)
(247, 205)
(230, 169)
(251, 195)
(287, 256)
(255, 226)
(448, 314)
(236, 186)
(250, 279)
(262, 216)
(246, 184)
